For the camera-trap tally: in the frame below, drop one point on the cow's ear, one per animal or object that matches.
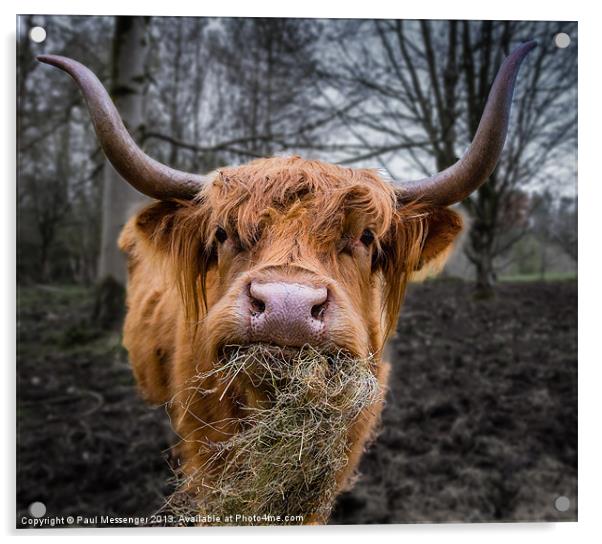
(157, 222)
(441, 228)
(170, 231)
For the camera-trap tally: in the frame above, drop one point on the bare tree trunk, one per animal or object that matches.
(485, 276)
(120, 200)
(199, 79)
(543, 262)
(479, 251)
(53, 204)
(176, 120)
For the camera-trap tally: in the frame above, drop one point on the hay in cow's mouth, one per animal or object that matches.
(293, 440)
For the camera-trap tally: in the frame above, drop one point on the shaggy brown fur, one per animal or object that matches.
(287, 219)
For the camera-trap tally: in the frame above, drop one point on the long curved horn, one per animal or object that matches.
(141, 171)
(458, 181)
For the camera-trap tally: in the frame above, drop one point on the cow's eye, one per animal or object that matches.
(221, 235)
(367, 237)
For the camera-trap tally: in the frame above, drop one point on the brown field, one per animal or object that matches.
(480, 423)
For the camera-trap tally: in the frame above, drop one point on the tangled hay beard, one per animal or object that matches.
(292, 442)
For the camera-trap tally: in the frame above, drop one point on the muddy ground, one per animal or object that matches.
(480, 423)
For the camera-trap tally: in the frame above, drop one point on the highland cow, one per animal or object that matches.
(260, 299)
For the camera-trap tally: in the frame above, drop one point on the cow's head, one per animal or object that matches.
(290, 274)
(292, 252)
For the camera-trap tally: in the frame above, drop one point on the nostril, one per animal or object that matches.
(255, 296)
(317, 311)
(257, 306)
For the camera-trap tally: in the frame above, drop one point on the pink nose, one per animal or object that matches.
(289, 314)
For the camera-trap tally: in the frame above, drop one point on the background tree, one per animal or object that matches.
(120, 200)
(554, 225)
(248, 97)
(564, 232)
(425, 84)
(57, 183)
(127, 63)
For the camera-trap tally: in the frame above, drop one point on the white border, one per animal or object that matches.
(590, 488)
